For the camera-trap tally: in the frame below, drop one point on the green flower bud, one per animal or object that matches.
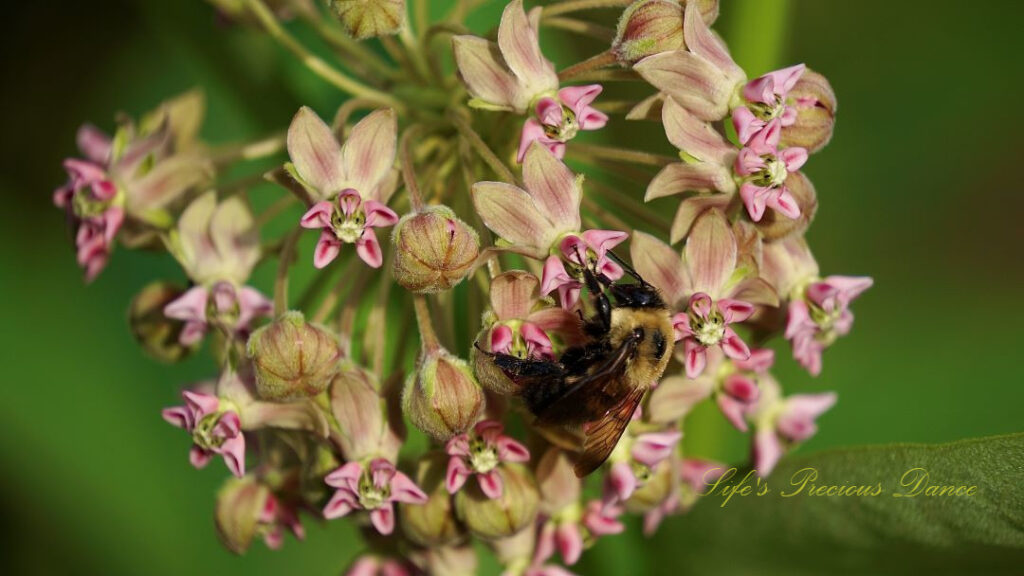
(431, 524)
(239, 509)
(153, 330)
(442, 398)
(292, 358)
(648, 27)
(492, 519)
(658, 487)
(489, 375)
(815, 105)
(434, 250)
(364, 19)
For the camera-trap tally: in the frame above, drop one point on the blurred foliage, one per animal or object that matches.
(916, 190)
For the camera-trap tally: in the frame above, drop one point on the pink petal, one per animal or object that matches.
(383, 518)
(600, 524)
(711, 252)
(784, 203)
(734, 346)
(760, 90)
(491, 484)
(653, 448)
(340, 504)
(537, 342)
(794, 158)
(579, 97)
(696, 357)
(345, 476)
(457, 474)
(755, 199)
(591, 118)
(785, 79)
(733, 410)
(549, 112)
(327, 249)
(545, 547)
(403, 489)
(520, 47)
(198, 457)
(511, 451)
(533, 131)
(251, 304)
(760, 361)
(319, 216)
(200, 404)
(746, 124)
(349, 201)
(379, 215)
(850, 287)
(554, 275)
(700, 473)
(741, 388)
(601, 241)
(501, 339)
(368, 154)
(94, 144)
(569, 542)
(553, 187)
(621, 481)
(734, 311)
(700, 304)
(233, 451)
(178, 416)
(190, 306)
(369, 249)
(766, 451)
(458, 445)
(749, 162)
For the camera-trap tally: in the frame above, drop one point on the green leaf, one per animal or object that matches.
(978, 533)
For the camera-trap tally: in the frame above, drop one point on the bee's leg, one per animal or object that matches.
(601, 302)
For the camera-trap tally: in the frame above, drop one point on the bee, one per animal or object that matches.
(594, 388)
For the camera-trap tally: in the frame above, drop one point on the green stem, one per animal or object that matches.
(427, 335)
(596, 62)
(248, 151)
(408, 175)
(284, 262)
(315, 63)
(482, 149)
(622, 155)
(568, 6)
(349, 47)
(583, 28)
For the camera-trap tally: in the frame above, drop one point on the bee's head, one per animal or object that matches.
(640, 295)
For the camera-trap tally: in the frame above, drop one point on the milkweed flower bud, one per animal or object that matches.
(814, 101)
(374, 487)
(158, 335)
(293, 358)
(433, 523)
(648, 27)
(364, 19)
(442, 398)
(448, 560)
(434, 250)
(215, 427)
(492, 518)
(247, 508)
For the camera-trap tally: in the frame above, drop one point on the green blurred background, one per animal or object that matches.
(918, 189)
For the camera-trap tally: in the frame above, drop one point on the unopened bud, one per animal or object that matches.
(448, 560)
(434, 250)
(240, 507)
(431, 524)
(815, 104)
(158, 335)
(648, 27)
(489, 518)
(442, 398)
(775, 226)
(293, 358)
(364, 19)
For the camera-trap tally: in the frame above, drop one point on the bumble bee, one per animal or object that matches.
(594, 388)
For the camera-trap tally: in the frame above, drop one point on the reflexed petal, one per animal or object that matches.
(653, 448)
(369, 152)
(486, 76)
(694, 136)
(760, 89)
(403, 489)
(710, 252)
(555, 190)
(735, 310)
(501, 339)
(785, 79)
(784, 203)
(233, 451)
(94, 144)
(794, 158)
(746, 124)
(346, 476)
(679, 178)
(621, 481)
(378, 215)
(179, 417)
(696, 357)
(601, 241)
(755, 199)
(766, 451)
(315, 152)
(368, 249)
(190, 306)
(513, 294)
(734, 346)
(741, 388)
(702, 41)
(760, 360)
(383, 518)
(658, 264)
(533, 132)
(850, 287)
(199, 458)
(520, 46)
(569, 542)
(690, 80)
(733, 410)
(512, 214)
(511, 451)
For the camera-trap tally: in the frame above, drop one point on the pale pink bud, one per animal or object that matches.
(364, 19)
(292, 358)
(442, 397)
(491, 518)
(432, 523)
(434, 250)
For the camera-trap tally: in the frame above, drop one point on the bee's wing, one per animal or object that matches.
(590, 394)
(602, 435)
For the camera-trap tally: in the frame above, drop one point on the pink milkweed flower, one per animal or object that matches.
(479, 454)
(348, 184)
(766, 101)
(277, 517)
(716, 282)
(821, 316)
(218, 245)
(765, 169)
(215, 427)
(511, 75)
(573, 529)
(522, 321)
(694, 476)
(588, 250)
(559, 119)
(374, 487)
(781, 423)
(136, 180)
(634, 461)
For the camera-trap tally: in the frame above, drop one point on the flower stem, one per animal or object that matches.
(427, 335)
(248, 151)
(622, 155)
(313, 62)
(583, 28)
(595, 62)
(275, 209)
(349, 47)
(284, 261)
(408, 175)
(567, 6)
(481, 148)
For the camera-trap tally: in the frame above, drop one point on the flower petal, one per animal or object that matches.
(692, 81)
(520, 46)
(657, 263)
(710, 252)
(491, 484)
(327, 249)
(512, 214)
(680, 178)
(368, 249)
(513, 294)
(403, 489)
(318, 216)
(456, 475)
(696, 357)
(486, 76)
(315, 152)
(766, 451)
(383, 518)
(694, 136)
(94, 144)
(369, 151)
(555, 190)
(703, 42)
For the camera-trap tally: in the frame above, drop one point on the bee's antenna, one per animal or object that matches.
(628, 268)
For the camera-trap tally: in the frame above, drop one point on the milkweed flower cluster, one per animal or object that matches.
(312, 391)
